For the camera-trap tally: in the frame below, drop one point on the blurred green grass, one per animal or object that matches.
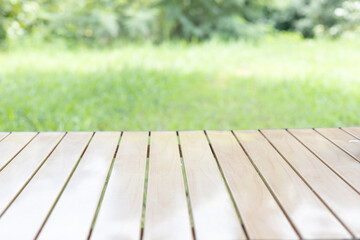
(279, 82)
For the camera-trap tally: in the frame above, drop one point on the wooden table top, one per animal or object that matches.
(252, 184)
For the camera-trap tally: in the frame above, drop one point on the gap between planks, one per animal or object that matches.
(4, 135)
(322, 160)
(337, 145)
(143, 212)
(186, 186)
(309, 186)
(64, 186)
(228, 188)
(32, 175)
(18, 151)
(105, 187)
(188, 200)
(267, 186)
(146, 188)
(184, 179)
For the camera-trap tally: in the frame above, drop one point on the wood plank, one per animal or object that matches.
(32, 206)
(341, 198)
(262, 216)
(340, 162)
(3, 135)
(22, 167)
(12, 145)
(311, 218)
(355, 131)
(120, 212)
(213, 211)
(343, 140)
(166, 215)
(78, 203)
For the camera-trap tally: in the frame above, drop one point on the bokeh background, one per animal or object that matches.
(177, 65)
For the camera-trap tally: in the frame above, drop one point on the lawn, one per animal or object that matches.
(277, 82)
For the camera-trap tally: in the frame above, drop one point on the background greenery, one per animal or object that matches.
(166, 64)
(103, 21)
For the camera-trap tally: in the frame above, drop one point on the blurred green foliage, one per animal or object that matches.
(278, 82)
(202, 19)
(103, 21)
(321, 17)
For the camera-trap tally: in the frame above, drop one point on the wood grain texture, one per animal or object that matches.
(77, 206)
(353, 131)
(166, 214)
(21, 168)
(262, 216)
(311, 218)
(50, 186)
(3, 135)
(340, 162)
(213, 211)
(32, 206)
(12, 145)
(120, 212)
(343, 140)
(341, 198)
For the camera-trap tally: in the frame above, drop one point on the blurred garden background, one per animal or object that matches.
(177, 65)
